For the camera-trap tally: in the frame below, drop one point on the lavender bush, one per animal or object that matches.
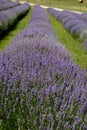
(54, 12)
(4, 21)
(71, 21)
(83, 34)
(7, 5)
(4, 1)
(10, 16)
(41, 88)
(84, 16)
(64, 14)
(1, 26)
(78, 28)
(21, 9)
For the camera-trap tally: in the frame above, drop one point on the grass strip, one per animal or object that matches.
(19, 26)
(74, 46)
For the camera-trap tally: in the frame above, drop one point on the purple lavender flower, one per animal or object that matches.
(78, 28)
(71, 21)
(39, 80)
(4, 20)
(69, 24)
(7, 5)
(84, 109)
(4, 1)
(9, 16)
(84, 16)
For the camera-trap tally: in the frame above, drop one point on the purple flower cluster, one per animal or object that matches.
(71, 21)
(41, 86)
(4, 1)
(84, 16)
(9, 16)
(7, 5)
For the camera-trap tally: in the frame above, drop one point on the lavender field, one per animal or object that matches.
(75, 23)
(41, 87)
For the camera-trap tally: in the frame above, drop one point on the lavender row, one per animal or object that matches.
(10, 16)
(7, 5)
(82, 16)
(71, 22)
(41, 86)
(4, 1)
(84, 32)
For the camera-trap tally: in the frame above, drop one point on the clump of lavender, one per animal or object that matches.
(84, 16)
(8, 4)
(72, 22)
(4, 1)
(83, 34)
(10, 16)
(41, 86)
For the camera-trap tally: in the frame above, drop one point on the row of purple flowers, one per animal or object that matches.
(75, 23)
(7, 5)
(38, 76)
(4, 1)
(10, 16)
